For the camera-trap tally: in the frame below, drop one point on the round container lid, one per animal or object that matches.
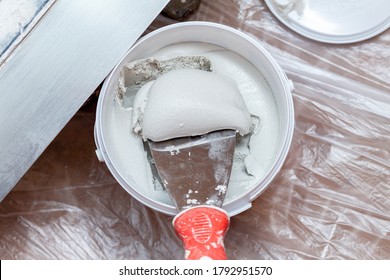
(333, 21)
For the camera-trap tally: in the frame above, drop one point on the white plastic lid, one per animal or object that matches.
(333, 21)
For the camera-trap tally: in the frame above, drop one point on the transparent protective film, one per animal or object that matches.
(331, 199)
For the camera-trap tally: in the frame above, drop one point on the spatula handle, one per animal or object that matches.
(202, 230)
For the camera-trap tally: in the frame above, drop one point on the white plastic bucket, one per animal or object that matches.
(220, 35)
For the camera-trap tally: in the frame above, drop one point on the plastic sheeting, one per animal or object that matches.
(331, 200)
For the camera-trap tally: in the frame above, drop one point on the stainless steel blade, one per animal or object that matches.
(55, 69)
(196, 170)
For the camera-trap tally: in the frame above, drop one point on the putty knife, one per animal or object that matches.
(195, 172)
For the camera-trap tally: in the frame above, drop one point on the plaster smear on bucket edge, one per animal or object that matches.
(254, 152)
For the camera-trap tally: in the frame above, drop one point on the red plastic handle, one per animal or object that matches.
(202, 229)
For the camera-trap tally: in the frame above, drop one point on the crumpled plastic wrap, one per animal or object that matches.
(331, 200)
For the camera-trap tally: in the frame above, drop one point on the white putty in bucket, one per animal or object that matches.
(189, 102)
(254, 153)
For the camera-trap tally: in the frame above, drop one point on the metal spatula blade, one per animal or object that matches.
(195, 172)
(54, 70)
